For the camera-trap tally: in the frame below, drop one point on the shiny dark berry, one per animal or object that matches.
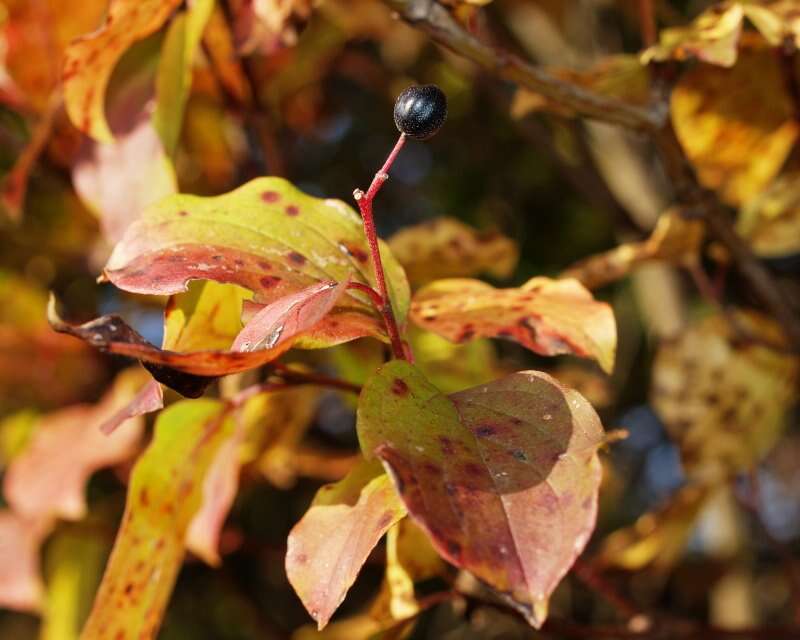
(420, 111)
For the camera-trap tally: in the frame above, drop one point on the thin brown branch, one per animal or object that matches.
(647, 22)
(435, 20)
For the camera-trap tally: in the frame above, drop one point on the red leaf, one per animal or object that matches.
(287, 319)
(504, 477)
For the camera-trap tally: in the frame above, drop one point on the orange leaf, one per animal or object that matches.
(328, 547)
(548, 317)
(90, 59)
(42, 482)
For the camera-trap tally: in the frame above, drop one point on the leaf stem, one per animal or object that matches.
(647, 22)
(364, 201)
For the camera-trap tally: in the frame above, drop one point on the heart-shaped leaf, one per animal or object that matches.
(266, 236)
(328, 547)
(547, 316)
(503, 477)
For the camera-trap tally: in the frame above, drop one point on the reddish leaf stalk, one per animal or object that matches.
(364, 201)
(647, 22)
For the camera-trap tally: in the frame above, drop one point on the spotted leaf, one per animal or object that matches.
(548, 317)
(503, 477)
(164, 493)
(266, 236)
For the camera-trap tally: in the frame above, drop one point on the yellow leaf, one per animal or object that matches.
(163, 496)
(736, 125)
(90, 59)
(674, 240)
(446, 247)
(770, 222)
(722, 400)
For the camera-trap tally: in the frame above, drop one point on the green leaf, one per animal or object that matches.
(503, 477)
(174, 79)
(329, 545)
(166, 490)
(266, 236)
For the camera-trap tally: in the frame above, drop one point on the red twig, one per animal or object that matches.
(365, 205)
(647, 22)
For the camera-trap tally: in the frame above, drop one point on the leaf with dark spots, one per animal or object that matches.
(245, 237)
(164, 494)
(279, 325)
(447, 248)
(329, 545)
(508, 505)
(549, 317)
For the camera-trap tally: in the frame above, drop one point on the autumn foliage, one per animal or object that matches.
(227, 410)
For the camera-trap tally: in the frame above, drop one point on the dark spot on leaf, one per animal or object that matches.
(297, 258)
(519, 455)
(356, 252)
(216, 258)
(446, 445)
(263, 264)
(292, 210)
(449, 488)
(269, 281)
(144, 497)
(453, 548)
(399, 388)
(238, 262)
(473, 469)
(270, 196)
(467, 334)
(301, 558)
(485, 430)
(586, 504)
(183, 214)
(128, 589)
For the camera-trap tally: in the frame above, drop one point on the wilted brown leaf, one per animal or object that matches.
(674, 240)
(549, 317)
(446, 247)
(723, 400)
(736, 125)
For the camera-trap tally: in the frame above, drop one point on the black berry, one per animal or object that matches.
(420, 111)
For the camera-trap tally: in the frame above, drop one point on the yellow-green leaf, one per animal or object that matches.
(174, 78)
(164, 493)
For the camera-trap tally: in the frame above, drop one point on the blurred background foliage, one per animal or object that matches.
(308, 95)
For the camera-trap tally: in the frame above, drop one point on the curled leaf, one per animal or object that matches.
(90, 59)
(549, 317)
(279, 326)
(446, 247)
(770, 222)
(329, 545)
(503, 477)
